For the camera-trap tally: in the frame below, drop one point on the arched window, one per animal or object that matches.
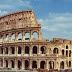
(34, 64)
(62, 65)
(69, 63)
(27, 36)
(69, 53)
(51, 65)
(66, 53)
(43, 50)
(63, 52)
(35, 50)
(12, 64)
(42, 64)
(26, 49)
(55, 51)
(26, 64)
(19, 49)
(13, 36)
(19, 36)
(35, 35)
(12, 50)
(6, 62)
(66, 46)
(19, 64)
(7, 36)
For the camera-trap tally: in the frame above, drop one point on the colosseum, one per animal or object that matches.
(22, 48)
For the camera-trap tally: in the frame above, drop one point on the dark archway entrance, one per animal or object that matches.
(51, 65)
(19, 64)
(19, 50)
(42, 64)
(43, 50)
(26, 49)
(12, 64)
(35, 50)
(62, 65)
(26, 64)
(34, 64)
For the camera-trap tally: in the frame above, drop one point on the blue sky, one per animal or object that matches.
(55, 16)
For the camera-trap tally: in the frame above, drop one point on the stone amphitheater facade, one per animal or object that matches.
(22, 48)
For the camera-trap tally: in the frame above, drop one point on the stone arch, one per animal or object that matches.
(63, 52)
(26, 64)
(27, 49)
(12, 64)
(34, 64)
(19, 64)
(19, 49)
(42, 64)
(34, 49)
(35, 35)
(62, 65)
(55, 50)
(6, 63)
(12, 49)
(69, 63)
(51, 64)
(43, 50)
(27, 36)
(20, 36)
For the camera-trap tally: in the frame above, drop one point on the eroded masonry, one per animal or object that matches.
(23, 48)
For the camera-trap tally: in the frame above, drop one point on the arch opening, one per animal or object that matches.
(26, 49)
(6, 62)
(55, 51)
(34, 64)
(63, 52)
(35, 35)
(43, 50)
(42, 64)
(26, 64)
(13, 36)
(1, 50)
(69, 63)
(6, 50)
(12, 64)
(51, 65)
(19, 64)
(12, 50)
(19, 49)
(27, 36)
(35, 50)
(62, 65)
(19, 36)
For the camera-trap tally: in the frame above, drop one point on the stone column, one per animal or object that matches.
(30, 50)
(16, 64)
(47, 67)
(23, 64)
(16, 36)
(38, 64)
(31, 36)
(3, 63)
(23, 36)
(30, 66)
(9, 63)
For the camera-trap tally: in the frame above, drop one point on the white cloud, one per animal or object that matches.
(57, 25)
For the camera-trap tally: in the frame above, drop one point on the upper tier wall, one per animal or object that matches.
(18, 20)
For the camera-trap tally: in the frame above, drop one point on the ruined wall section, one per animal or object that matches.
(18, 20)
